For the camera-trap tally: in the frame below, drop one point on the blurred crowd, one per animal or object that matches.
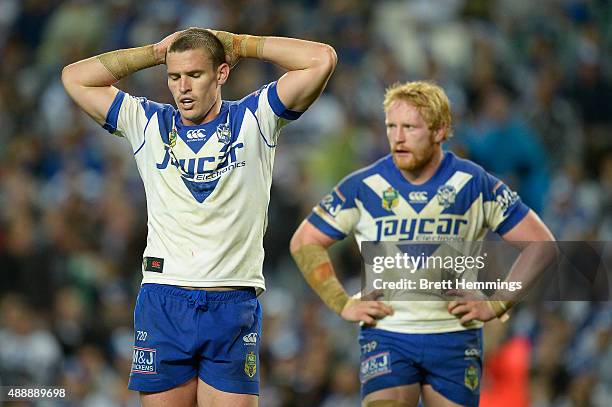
(530, 84)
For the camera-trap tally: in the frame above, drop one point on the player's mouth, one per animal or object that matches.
(186, 103)
(400, 152)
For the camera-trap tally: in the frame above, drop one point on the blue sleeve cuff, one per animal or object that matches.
(278, 107)
(113, 113)
(513, 219)
(324, 227)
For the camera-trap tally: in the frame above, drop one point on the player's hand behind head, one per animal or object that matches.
(162, 46)
(227, 39)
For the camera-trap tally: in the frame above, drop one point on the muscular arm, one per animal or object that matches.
(309, 64)
(538, 252)
(90, 82)
(309, 250)
(537, 246)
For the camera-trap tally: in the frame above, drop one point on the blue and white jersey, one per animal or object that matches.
(207, 186)
(460, 202)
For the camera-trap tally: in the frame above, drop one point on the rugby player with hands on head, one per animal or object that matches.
(206, 166)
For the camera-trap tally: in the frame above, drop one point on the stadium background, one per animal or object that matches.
(530, 86)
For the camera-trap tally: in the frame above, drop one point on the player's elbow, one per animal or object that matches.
(69, 77)
(296, 242)
(66, 75)
(327, 60)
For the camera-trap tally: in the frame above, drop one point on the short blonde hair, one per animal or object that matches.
(429, 98)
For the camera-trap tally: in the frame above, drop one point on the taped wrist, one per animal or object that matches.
(315, 264)
(241, 45)
(123, 62)
(501, 308)
(249, 46)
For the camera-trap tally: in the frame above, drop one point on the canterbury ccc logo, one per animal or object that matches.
(195, 134)
(418, 196)
(250, 338)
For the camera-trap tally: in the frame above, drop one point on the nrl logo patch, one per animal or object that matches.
(471, 377)
(172, 138)
(390, 198)
(224, 135)
(446, 195)
(250, 364)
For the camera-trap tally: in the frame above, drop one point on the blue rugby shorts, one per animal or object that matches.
(180, 333)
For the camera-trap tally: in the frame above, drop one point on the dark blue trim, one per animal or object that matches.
(200, 190)
(277, 105)
(251, 102)
(144, 137)
(517, 215)
(325, 227)
(112, 116)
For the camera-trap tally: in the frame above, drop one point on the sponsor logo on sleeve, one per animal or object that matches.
(332, 203)
(505, 198)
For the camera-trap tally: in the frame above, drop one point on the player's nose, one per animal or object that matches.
(185, 84)
(397, 136)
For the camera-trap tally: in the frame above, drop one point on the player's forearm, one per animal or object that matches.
(316, 267)
(534, 259)
(531, 264)
(108, 68)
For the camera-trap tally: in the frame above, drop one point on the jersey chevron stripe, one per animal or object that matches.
(378, 184)
(458, 181)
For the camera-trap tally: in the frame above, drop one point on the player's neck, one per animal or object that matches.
(209, 116)
(422, 175)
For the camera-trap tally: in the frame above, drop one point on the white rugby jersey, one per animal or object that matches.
(459, 203)
(207, 186)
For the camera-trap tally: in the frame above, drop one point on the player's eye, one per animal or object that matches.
(173, 77)
(196, 75)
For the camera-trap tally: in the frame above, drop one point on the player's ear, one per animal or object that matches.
(223, 73)
(439, 135)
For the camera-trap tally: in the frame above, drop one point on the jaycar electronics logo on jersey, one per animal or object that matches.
(143, 361)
